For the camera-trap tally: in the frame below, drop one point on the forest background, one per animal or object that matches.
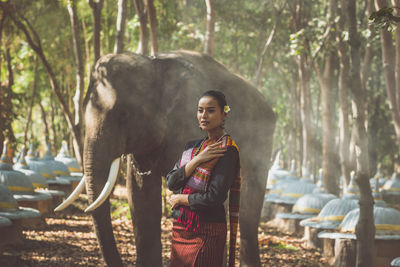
(290, 50)
(331, 76)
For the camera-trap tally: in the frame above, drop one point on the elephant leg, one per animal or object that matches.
(104, 233)
(144, 195)
(252, 196)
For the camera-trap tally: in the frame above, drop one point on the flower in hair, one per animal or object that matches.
(227, 109)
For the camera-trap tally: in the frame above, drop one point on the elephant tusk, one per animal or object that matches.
(112, 178)
(74, 195)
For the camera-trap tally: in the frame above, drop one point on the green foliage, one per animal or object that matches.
(282, 245)
(242, 28)
(120, 208)
(384, 18)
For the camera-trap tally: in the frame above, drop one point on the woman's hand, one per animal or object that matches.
(179, 199)
(211, 152)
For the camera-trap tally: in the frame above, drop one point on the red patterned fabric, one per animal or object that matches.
(198, 183)
(202, 248)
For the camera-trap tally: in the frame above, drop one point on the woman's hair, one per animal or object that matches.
(217, 95)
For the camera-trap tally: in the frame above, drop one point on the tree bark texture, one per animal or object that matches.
(300, 17)
(97, 6)
(46, 131)
(343, 84)
(1, 89)
(151, 12)
(365, 229)
(144, 35)
(396, 12)
(329, 173)
(9, 96)
(80, 75)
(34, 42)
(305, 110)
(388, 58)
(121, 22)
(31, 103)
(210, 33)
(53, 127)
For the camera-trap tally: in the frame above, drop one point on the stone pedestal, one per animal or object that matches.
(43, 206)
(66, 188)
(311, 237)
(270, 209)
(341, 252)
(391, 198)
(289, 226)
(11, 235)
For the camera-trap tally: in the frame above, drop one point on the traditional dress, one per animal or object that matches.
(199, 230)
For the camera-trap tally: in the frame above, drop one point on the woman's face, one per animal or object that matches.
(209, 114)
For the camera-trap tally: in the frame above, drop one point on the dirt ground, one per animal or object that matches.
(67, 239)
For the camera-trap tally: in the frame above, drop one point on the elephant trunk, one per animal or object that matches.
(97, 162)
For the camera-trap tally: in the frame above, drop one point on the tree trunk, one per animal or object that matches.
(365, 229)
(210, 33)
(388, 57)
(31, 103)
(151, 12)
(257, 78)
(80, 74)
(1, 88)
(299, 126)
(300, 17)
(53, 126)
(396, 12)
(121, 21)
(305, 110)
(97, 6)
(329, 172)
(344, 130)
(87, 48)
(365, 74)
(45, 124)
(144, 36)
(6, 95)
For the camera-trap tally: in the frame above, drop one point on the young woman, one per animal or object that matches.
(207, 170)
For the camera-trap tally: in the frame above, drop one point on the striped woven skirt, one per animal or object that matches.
(204, 247)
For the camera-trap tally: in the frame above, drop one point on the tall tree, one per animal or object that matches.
(121, 21)
(210, 33)
(46, 128)
(257, 78)
(80, 72)
(326, 78)
(300, 17)
(97, 6)
(32, 101)
(34, 42)
(365, 229)
(389, 58)
(343, 84)
(151, 12)
(144, 38)
(8, 95)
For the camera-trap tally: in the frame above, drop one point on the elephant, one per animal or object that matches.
(145, 107)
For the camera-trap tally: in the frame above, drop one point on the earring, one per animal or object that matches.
(223, 124)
